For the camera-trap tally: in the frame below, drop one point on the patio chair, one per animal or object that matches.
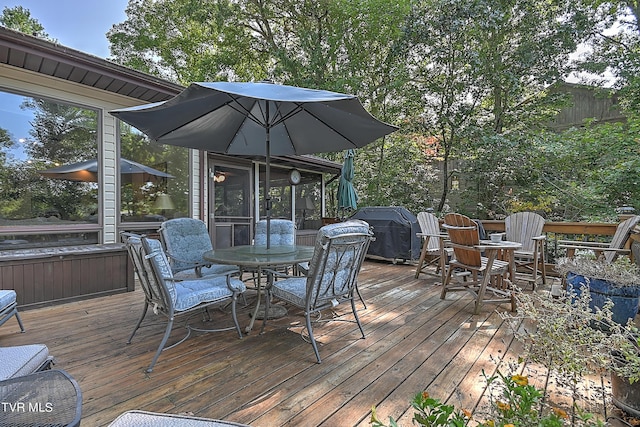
(171, 297)
(431, 244)
(19, 360)
(9, 307)
(136, 418)
(184, 241)
(467, 256)
(333, 271)
(610, 251)
(283, 233)
(526, 228)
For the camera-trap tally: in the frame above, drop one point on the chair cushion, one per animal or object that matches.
(292, 290)
(283, 233)
(137, 418)
(163, 265)
(186, 240)
(332, 230)
(22, 360)
(190, 293)
(7, 297)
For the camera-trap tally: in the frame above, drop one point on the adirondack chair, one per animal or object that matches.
(610, 251)
(467, 255)
(526, 228)
(431, 244)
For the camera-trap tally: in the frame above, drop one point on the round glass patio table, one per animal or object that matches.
(259, 258)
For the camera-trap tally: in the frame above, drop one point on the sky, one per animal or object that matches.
(78, 24)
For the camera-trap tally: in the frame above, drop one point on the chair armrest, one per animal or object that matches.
(234, 284)
(477, 248)
(539, 238)
(439, 235)
(579, 243)
(279, 275)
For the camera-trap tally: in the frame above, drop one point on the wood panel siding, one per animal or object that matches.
(57, 275)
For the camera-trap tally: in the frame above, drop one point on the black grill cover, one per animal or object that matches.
(395, 229)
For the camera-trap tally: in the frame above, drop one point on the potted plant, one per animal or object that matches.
(566, 335)
(625, 373)
(618, 281)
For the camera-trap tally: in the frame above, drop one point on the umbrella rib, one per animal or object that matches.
(265, 122)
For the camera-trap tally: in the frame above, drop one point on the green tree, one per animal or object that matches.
(19, 19)
(340, 45)
(481, 69)
(594, 169)
(186, 41)
(614, 49)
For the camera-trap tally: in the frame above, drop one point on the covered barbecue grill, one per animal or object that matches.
(395, 230)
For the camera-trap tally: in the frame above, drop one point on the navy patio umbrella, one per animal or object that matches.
(260, 118)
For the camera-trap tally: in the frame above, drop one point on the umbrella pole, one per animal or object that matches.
(267, 186)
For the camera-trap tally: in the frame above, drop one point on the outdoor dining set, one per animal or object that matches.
(181, 273)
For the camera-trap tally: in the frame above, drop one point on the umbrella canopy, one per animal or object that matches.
(87, 171)
(257, 119)
(347, 196)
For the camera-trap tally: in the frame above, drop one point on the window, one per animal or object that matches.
(154, 180)
(46, 176)
(308, 197)
(280, 192)
(309, 202)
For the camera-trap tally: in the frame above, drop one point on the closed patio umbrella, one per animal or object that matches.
(257, 119)
(347, 196)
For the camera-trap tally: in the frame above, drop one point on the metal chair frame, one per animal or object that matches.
(9, 311)
(156, 282)
(332, 276)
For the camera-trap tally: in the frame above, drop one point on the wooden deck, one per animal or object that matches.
(415, 341)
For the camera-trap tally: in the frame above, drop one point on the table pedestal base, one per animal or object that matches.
(275, 312)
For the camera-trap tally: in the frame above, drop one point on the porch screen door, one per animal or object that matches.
(230, 213)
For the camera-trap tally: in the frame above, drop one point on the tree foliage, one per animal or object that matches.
(615, 47)
(479, 73)
(186, 41)
(471, 78)
(19, 19)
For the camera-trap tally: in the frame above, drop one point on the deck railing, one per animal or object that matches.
(556, 231)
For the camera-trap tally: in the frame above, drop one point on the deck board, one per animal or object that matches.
(414, 341)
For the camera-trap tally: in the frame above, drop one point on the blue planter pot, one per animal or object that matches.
(626, 299)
